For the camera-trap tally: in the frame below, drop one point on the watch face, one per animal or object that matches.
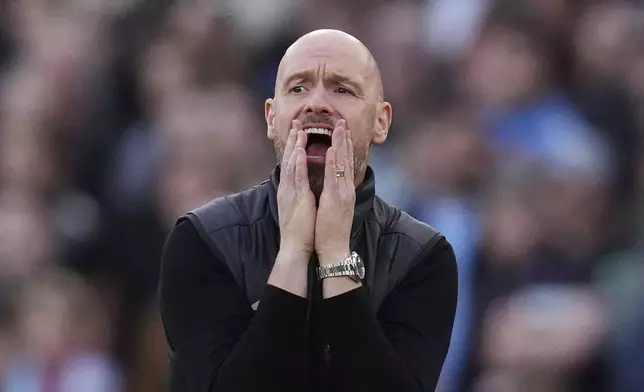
(360, 267)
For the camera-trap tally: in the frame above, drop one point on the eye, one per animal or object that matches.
(343, 91)
(297, 89)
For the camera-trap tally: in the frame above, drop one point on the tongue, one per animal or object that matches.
(317, 150)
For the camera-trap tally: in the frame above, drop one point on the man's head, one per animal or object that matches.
(326, 76)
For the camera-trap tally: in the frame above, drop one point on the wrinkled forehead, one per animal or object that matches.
(324, 58)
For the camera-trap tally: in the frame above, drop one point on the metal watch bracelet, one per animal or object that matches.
(340, 269)
(352, 267)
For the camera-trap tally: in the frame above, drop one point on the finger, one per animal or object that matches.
(338, 133)
(296, 126)
(338, 137)
(330, 179)
(301, 171)
(350, 170)
(341, 162)
(290, 145)
(301, 140)
(289, 176)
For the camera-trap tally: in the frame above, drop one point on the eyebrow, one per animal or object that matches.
(333, 76)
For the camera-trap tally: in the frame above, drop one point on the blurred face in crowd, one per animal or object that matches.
(324, 77)
(27, 241)
(162, 72)
(192, 152)
(602, 36)
(60, 313)
(635, 75)
(399, 49)
(505, 68)
(512, 232)
(450, 157)
(201, 134)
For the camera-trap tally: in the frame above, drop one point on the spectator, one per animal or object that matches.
(449, 163)
(62, 334)
(512, 77)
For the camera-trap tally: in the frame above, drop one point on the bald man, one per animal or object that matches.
(309, 281)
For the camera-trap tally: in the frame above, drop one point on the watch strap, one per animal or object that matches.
(346, 267)
(336, 270)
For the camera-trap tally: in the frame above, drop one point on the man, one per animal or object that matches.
(261, 291)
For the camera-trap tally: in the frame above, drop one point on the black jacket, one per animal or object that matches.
(391, 334)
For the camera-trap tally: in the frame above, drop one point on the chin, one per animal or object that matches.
(316, 179)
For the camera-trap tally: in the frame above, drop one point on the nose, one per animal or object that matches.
(317, 103)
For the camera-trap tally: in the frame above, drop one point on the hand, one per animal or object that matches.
(295, 200)
(337, 201)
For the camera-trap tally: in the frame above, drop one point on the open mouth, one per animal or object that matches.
(318, 142)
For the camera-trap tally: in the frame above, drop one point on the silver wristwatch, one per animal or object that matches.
(352, 267)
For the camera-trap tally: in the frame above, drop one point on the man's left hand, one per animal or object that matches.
(337, 201)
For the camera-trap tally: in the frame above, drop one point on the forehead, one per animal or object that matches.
(346, 59)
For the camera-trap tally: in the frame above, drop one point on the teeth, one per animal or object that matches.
(318, 131)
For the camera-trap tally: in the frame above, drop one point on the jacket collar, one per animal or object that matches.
(365, 194)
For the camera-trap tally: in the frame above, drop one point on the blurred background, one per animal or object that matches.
(518, 130)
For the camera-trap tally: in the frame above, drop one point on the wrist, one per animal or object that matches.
(293, 256)
(289, 272)
(333, 256)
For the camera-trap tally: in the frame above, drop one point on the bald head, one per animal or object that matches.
(319, 40)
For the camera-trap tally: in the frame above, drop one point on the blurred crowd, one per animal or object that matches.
(518, 132)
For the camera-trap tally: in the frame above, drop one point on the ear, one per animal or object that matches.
(383, 122)
(269, 114)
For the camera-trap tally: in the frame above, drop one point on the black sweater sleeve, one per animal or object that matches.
(403, 347)
(217, 342)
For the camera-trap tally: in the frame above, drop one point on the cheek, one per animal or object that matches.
(284, 116)
(362, 124)
(361, 143)
(280, 131)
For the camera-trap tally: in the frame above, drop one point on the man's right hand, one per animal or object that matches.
(295, 201)
(297, 212)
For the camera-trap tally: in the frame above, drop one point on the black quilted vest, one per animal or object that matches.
(242, 229)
